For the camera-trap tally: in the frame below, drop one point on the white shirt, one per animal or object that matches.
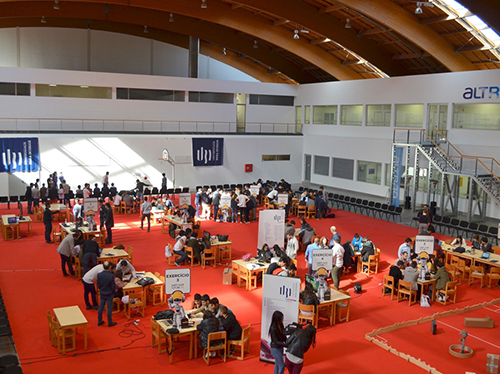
(242, 200)
(118, 200)
(338, 255)
(179, 244)
(86, 193)
(272, 194)
(291, 247)
(91, 275)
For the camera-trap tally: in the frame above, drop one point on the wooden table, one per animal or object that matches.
(242, 272)
(132, 286)
(156, 214)
(9, 226)
(68, 227)
(112, 255)
(71, 317)
(61, 208)
(191, 331)
(357, 258)
(424, 283)
(335, 298)
(474, 258)
(228, 245)
(176, 220)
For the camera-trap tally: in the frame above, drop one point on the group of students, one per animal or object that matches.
(188, 238)
(216, 317)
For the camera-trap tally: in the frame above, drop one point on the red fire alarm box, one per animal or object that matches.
(248, 168)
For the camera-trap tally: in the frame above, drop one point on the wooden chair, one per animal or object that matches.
(311, 212)
(310, 314)
(249, 277)
(116, 305)
(172, 258)
(52, 335)
(225, 253)
(57, 236)
(496, 250)
(139, 303)
(405, 289)
(448, 292)
(125, 209)
(77, 265)
(494, 274)
(158, 337)
(388, 283)
(130, 251)
(190, 256)
(217, 342)
(37, 214)
(373, 261)
(477, 272)
(155, 292)
(301, 209)
(101, 237)
(463, 269)
(455, 274)
(116, 208)
(240, 344)
(10, 232)
(343, 305)
(69, 336)
(208, 256)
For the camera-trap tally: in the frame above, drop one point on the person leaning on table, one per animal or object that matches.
(107, 286)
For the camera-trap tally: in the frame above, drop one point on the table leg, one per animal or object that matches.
(64, 341)
(85, 336)
(333, 315)
(191, 346)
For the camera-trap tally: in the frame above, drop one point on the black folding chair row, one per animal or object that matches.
(365, 206)
(466, 229)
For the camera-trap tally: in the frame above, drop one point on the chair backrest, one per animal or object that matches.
(451, 286)
(306, 308)
(220, 335)
(245, 334)
(404, 284)
(494, 270)
(388, 280)
(138, 295)
(477, 269)
(209, 251)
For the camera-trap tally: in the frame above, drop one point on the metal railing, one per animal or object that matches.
(122, 126)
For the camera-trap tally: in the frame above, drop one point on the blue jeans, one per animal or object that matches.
(66, 260)
(108, 300)
(89, 288)
(89, 261)
(279, 364)
(183, 256)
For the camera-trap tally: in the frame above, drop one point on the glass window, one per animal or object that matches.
(271, 100)
(352, 115)
(275, 157)
(378, 115)
(83, 92)
(369, 172)
(7, 88)
(409, 115)
(298, 114)
(23, 89)
(325, 115)
(307, 115)
(476, 116)
(211, 97)
(388, 175)
(343, 168)
(321, 165)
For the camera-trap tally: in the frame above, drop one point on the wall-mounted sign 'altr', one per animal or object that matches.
(208, 151)
(19, 154)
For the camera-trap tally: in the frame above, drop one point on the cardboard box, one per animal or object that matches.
(485, 322)
(227, 276)
(492, 363)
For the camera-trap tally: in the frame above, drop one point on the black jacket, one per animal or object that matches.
(109, 218)
(216, 198)
(367, 251)
(232, 327)
(278, 338)
(295, 345)
(396, 273)
(90, 246)
(206, 327)
(106, 283)
(47, 216)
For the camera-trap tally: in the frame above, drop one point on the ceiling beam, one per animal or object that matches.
(280, 22)
(473, 48)
(331, 8)
(426, 21)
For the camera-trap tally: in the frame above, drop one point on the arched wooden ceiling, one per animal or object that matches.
(386, 37)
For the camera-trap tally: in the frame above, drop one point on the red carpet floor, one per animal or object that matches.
(32, 283)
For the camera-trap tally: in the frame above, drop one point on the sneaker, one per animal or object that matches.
(95, 307)
(141, 228)
(112, 324)
(88, 307)
(177, 264)
(100, 323)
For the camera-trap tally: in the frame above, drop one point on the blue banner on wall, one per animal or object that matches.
(396, 177)
(208, 151)
(19, 155)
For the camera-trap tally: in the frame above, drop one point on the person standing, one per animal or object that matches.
(47, 221)
(216, 202)
(292, 246)
(146, 212)
(66, 189)
(338, 262)
(163, 189)
(242, 207)
(43, 193)
(67, 249)
(88, 281)
(110, 223)
(35, 194)
(197, 202)
(278, 339)
(105, 179)
(106, 284)
(297, 344)
(29, 198)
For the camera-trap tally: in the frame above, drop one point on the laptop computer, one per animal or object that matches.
(12, 220)
(485, 256)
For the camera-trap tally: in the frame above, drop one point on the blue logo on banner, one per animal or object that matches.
(19, 155)
(396, 177)
(208, 151)
(285, 291)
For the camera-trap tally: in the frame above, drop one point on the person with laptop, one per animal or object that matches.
(485, 246)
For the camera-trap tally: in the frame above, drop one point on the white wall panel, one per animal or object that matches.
(8, 46)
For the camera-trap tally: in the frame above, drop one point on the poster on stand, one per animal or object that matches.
(90, 206)
(322, 258)
(424, 243)
(282, 200)
(254, 190)
(184, 200)
(271, 227)
(279, 294)
(177, 280)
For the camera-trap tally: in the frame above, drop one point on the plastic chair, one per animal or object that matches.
(217, 342)
(240, 344)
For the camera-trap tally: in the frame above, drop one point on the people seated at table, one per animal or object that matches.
(279, 267)
(405, 247)
(117, 200)
(290, 228)
(179, 247)
(89, 254)
(198, 312)
(119, 284)
(205, 242)
(458, 242)
(309, 297)
(396, 271)
(264, 254)
(67, 249)
(196, 301)
(485, 246)
(357, 242)
(230, 324)
(404, 258)
(411, 275)
(367, 250)
(215, 306)
(311, 203)
(126, 268)
(128, 200)
(209, 324)
(476, 243)
(195, 245)
(438, 250)
(276, 251)
(292, 271)
(308, 255)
